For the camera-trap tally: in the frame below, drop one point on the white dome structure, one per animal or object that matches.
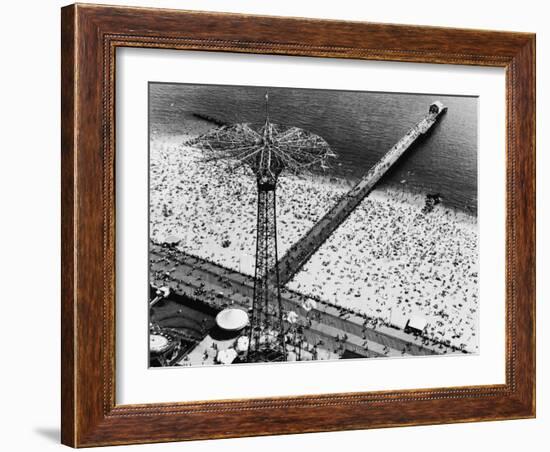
(232, 319)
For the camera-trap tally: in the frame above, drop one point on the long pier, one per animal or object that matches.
(299, 253)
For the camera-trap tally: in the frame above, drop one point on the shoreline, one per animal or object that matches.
(394, 191)
(195, 125)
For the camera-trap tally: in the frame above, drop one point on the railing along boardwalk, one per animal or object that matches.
(219, 287)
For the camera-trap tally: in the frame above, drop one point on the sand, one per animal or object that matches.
(212, 208)
(391, 261)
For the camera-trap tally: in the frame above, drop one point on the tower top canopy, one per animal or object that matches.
(267, 150)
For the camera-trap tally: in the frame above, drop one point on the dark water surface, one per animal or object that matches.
(359, 126)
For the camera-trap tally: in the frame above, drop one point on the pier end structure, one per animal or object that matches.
(299, 253)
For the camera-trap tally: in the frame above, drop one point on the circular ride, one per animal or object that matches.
(232, 319)
(159, 344)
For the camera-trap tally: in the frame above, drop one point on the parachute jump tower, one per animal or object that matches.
(267, 149)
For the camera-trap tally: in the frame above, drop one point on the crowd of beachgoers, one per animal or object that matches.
(211, 207)
(389, 259)
(392, 261)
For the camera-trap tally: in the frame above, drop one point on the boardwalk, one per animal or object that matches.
(219, 287)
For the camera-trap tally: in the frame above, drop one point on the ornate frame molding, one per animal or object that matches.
(90, 37)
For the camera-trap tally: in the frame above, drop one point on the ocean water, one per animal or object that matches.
(359, 126)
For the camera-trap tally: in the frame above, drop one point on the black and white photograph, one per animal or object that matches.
(292, 224)
(276, 226)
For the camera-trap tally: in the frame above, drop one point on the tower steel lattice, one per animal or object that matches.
(267, 339)
(267, 151)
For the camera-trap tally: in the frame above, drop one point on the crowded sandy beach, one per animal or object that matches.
(388, 260)
(211, 207)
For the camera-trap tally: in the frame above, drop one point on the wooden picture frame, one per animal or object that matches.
(90, 35)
